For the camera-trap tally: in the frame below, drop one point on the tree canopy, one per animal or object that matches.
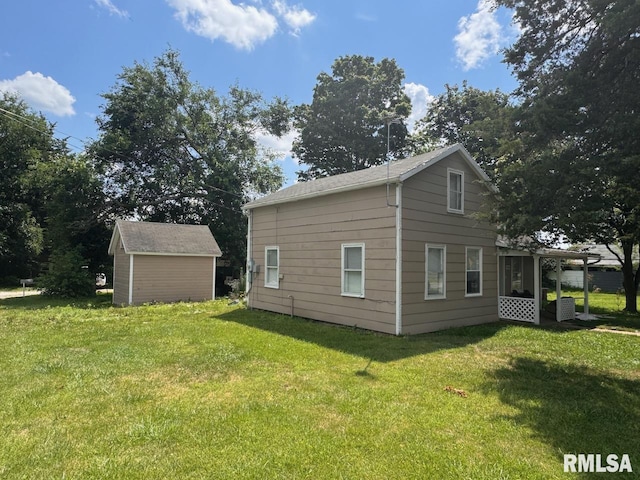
(480, 120)
(25, 138)
(172, 150)
(353, 109)
(50, 199)
(578, 66)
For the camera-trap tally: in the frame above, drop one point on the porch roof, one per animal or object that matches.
(510, 248)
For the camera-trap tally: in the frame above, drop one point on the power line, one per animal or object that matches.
(27, 122)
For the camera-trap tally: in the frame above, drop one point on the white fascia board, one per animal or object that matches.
(444, 154)
(114, 240)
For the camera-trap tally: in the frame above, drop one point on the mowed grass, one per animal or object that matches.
(608, 307)
(211, 390)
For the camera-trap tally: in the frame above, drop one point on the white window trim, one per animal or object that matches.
(461, 173)
(443, 296)
(342, 270)
(266, 267)
(466, 271)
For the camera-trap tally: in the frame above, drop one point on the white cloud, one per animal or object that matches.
(280, 146)
(240, 25)
(420, 101)
(479, 36)
(112, 9)
(296, 17)
(42, 93)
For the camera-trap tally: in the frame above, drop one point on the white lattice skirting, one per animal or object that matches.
(516, 308)
(567, 308)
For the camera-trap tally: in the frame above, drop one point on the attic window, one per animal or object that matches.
(455, 191)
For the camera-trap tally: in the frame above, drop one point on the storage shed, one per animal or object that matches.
(162, 262)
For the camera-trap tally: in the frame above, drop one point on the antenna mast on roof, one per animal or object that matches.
(389, 121)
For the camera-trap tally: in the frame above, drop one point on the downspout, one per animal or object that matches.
(398, 258)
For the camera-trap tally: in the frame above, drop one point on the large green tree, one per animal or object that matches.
(578, 66)
(171, 150)
(70, 209)
(483, 121)
(50, 199)
(346, 126)
(25, 138)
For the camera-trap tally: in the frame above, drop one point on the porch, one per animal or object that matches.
(520, 287)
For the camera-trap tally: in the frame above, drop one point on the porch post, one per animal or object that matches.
(558, 290)
(537, 293)
(585, 284)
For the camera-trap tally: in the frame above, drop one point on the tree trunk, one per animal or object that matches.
(630, 280)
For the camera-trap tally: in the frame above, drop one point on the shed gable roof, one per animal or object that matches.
(399, 171)
(153, 238)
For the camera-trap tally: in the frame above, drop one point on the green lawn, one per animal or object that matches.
(608, 307)
(209, 390)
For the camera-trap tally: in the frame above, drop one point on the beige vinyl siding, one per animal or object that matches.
(120, 276)
(160, 278)
(426, 221)
(310, 234)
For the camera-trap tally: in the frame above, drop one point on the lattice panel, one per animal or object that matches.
(515, 308)
(567, 308)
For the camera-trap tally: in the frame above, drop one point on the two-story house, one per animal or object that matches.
(395, 248)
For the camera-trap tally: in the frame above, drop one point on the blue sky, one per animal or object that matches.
(60, 56)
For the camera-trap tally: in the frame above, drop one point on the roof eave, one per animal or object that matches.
(173, 254)
(322, 193)
(114, 240)
(458, 147)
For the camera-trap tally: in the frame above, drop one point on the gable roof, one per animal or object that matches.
(398, 172)
(150, 238)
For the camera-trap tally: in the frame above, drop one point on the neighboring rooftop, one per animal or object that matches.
(607, 258)
(164, 239)
(398, 171)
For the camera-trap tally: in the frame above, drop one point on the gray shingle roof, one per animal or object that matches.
(398, 171)
(165, 239)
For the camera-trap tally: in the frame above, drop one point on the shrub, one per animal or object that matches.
(67, 277)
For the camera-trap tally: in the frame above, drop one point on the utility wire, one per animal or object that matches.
(27, 122)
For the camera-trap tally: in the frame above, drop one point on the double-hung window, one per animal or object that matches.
(436, 261)
(353, 270)
(455, 191)
(474, 271)
(272, 267)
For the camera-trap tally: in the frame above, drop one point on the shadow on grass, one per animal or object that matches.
(40, 302)
(376, 347)
(574, 409)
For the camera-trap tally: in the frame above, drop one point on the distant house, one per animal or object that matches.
(605, 274)
(162, 262)
(396, 249)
